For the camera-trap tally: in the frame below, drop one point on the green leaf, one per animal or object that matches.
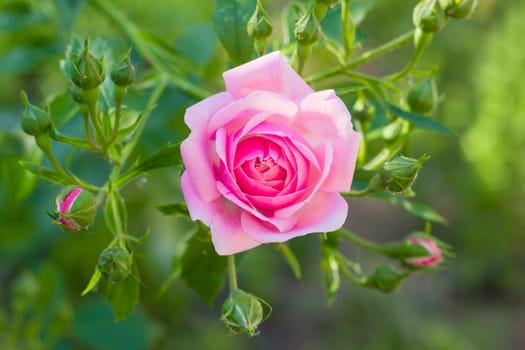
(175, 209)
(116, 213)
(229, 20)
(168, 155)
(290, 258)
(124, 295)
(92, 282)
(419, 120)
(44, 173)
(419, 210)
(198, 43)
(21, 58)
(202, 269)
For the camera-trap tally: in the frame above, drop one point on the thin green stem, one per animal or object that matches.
(116, 126)
(87, 131)
(232, 273)
(364, 243)
(96, 121)
(347, 27)
(356, 193)
(346, 272)
(378, 51)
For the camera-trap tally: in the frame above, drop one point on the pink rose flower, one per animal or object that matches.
(266, 159)
(435, 255)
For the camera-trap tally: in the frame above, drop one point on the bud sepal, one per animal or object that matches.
(115, 263)
(243, 312)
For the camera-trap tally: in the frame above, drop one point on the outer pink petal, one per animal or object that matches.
(223, 219)
(323, 116)
(267, 73)
(195, 150)
(326, 212)
(198, 115)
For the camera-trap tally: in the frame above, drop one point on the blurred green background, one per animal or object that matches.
(474, 179)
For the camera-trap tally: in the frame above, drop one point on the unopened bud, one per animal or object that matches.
(75, 208)
(87, 71)
(429, 16)
(259, 28)
(35, 121)
(459, 9)
(430, 257)
(363, 110)
(396, 129)
(307, 29)
(398, 174)
(242, 312)
(423, 97)
(385, 278)
(115, 263)
(123, 73)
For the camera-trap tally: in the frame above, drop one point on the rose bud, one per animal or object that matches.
(385, 278)
(75, 208)
(429, 16)
(259, 28)
(423, 97)
(242, 312)
(398, 174)
(123, 73)
(432, 257)
(459, 9)
(35, 121)
(87, 71)
(115, 263)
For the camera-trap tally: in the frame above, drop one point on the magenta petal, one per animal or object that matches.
(326, 212)
(270, 72)
(222, 218)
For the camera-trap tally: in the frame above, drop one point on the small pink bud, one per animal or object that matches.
(433, 258)
(75, 208)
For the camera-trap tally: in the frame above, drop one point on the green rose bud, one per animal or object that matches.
(429, 16)
(35, 121)
(75, 208)
(87, 71)
(423, 97)
(259, 28)
(123, 73)
(398, 174)
(115, 263)
(242, 312)
(307, 29)
(459, 9)
(397, 128)
(385, 278)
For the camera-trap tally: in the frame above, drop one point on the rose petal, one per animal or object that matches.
(198, 115)
(323, 116)
(238, 113)
(195, 154)
(326, 212)
(223, 219)
(270, 72)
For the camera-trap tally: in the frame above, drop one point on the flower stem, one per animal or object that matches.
(232, 274)
(356, 193)
(348, 29)
(378, 51)
(364, 243)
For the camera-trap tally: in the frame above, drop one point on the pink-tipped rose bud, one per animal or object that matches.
(75, 208)
(433, 258)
